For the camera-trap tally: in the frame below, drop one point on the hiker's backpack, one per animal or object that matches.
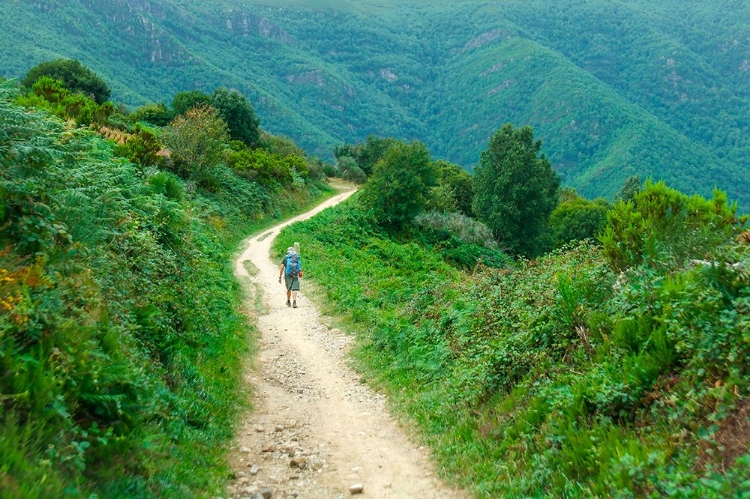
(293, 265)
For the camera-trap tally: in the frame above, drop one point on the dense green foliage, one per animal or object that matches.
(613, 89)
(662, 227)
(75, 77)
(455, 190)
(367, 153)
(267, 168)
(238, 114)
(197, 140)
(348, 169)
(400, 184)
(50, 94)
(515, 190)
(612, 371)
(184, 101)
(121, 337)
(154, 114)
(577, 219)
(561, 376)
(630, 188)
(141, 147)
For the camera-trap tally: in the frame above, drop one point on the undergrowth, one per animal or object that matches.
(560, 376)
(121, 333)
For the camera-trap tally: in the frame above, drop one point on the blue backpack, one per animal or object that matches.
(293, 264)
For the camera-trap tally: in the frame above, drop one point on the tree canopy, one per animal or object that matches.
(630, 188)
(455, 184)
(197, 140)
(239, 115)
(155, 114)
(400, 184)
(367, 153)
(184, 101)
(75, 77)
(603, 111)
(662, 227)
(515, 190)
(577, 219)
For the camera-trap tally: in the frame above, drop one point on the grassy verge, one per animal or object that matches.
(556, 377)
(121, 334)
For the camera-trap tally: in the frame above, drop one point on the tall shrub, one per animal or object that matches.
(239, 115)
(197, 140)
(400, 185)
(663, 227)
(75, 77)
(515, 190)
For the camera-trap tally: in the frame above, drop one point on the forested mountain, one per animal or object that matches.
(612, 89)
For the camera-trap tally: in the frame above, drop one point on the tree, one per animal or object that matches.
(662, 227)
(400, 184)
(155, 114)
(515, 190)
(75, 77)
(268, 168)
(454, 188)
(366, 154)
(350, 171)
(185, 101)
(141, 147)
(630, 188)
(278, 144)
(578, 219)
(50, 94)
(197, 140)
(372, 151)
(238, 114)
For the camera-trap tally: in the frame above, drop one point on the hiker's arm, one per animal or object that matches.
(281, 271)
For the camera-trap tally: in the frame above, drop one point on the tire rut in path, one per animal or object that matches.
(315, 429)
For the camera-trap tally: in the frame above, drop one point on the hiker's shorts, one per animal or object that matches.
(292, 283)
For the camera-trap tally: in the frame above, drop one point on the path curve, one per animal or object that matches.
(316, 429)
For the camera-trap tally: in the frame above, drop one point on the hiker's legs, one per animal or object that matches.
(292, 287)
(289, 282)
(295, 290)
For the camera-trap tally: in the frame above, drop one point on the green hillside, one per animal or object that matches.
(541, 344)
(122, 336)
(613, 89)
(605, 370)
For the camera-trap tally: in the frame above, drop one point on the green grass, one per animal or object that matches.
(538, 380)
(122, 338)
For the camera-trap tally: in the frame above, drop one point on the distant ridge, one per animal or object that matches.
(612, 89)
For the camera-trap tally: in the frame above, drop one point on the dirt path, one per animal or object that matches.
(316, 430)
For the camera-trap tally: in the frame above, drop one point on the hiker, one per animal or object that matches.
(291, 270)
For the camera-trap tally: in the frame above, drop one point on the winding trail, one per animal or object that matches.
(315, 430)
